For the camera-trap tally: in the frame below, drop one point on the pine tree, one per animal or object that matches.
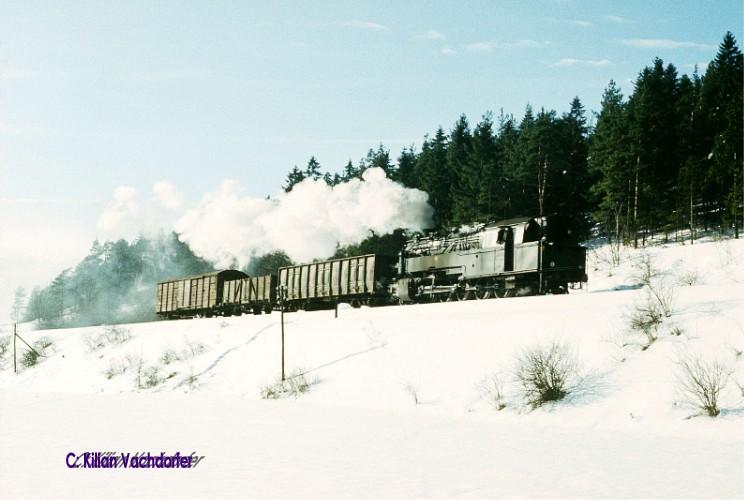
(506, 142)
(463, 183)
(294, 177)
(722, 104)
(380, 158)
(407, 167)
(313, 171)
(433, 176)
(654, 144)
(572, 183)
(609, 163)
(350, 172)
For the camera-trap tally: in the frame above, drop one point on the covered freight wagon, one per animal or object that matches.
(359, 280)
(249, 295)
(193, 295)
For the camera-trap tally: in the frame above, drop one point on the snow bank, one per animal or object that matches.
(623, 430)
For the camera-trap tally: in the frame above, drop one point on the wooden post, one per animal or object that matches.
(15, 368)
(282, 294)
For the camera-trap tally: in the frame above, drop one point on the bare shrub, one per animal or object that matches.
(657, 303)
(492, 391)
(194, 349)
(151, 377)
(646, 317)
(111, 334)
(688, 277)
(115, 369)
(644, 269)
(116, 334)
(412, 391)
(169, 357)
(31, 356)
(701, 383)
(545, 373)
(135, 364)
(294, 385)
(4, 345)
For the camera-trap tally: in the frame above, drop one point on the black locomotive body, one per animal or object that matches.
(520, 256)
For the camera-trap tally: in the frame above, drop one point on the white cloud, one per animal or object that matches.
(167, 194)
(655, 43)
(430, 35)
(616, 19)
(175, 75)
(581, 62)
(573, 22)
(365, 25)
(447, 51)
(579, 22)
(489, 46)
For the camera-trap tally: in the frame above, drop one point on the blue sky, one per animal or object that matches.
(95, 95)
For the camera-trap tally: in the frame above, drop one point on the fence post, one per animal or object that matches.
(282, 294)
(15, 368)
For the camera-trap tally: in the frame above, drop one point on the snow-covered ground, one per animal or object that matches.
(398, 404)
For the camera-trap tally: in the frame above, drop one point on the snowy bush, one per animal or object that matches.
(115, 368)
(545, 373)
(4, 345)
(294, 385)
(169, 357)
(150, 377)
(492, 391)
(111, 334)
(644, 269)
(657, 303)
(646, 317)
(701, 382)
(31, 356)
(688, 277)
(194, 349)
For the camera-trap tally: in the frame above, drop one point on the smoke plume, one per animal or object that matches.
(306, 223)
(228, 228)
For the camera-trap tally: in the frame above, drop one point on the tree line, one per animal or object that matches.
(667, 157)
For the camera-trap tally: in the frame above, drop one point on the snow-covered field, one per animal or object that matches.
(398, 404)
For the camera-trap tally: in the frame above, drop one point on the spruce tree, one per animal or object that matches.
(294, 177)
(722, 103)
(407, 167)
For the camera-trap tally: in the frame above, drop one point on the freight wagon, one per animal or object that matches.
(193, 295)
(358, 280)
(249, 295)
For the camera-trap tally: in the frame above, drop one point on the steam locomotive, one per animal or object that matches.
(521, 256)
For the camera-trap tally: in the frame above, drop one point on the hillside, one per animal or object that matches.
(400, 398)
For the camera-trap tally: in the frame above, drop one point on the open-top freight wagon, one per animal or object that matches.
(358, 280)
(221, 292)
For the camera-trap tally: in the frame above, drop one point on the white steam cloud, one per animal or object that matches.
(306, 223)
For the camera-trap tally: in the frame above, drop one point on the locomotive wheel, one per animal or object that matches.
(462, 294)
(482, 293)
